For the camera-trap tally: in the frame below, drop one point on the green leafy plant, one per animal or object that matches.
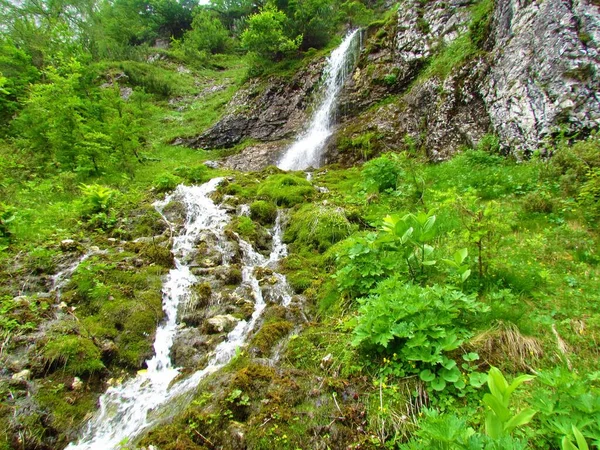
(499, 420)
(380, 174)
(409, 236)
(461, 270)
(7, 215)
(420, 325)
(97, 198)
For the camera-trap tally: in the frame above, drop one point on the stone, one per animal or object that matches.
(69, 245)
(326, 361)
(77, 384)
(23, 375)
(220, 324)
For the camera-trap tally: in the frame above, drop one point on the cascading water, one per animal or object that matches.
(126, 411)
(306, 151)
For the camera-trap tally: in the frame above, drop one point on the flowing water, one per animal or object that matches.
(307, 150)
(127, 410)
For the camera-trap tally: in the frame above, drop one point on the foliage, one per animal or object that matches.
(314, 21)
(166, 182)
(265, 35)
(7, 215)
(422, 325)
(409, 237)
(381, 174)
(499, 420)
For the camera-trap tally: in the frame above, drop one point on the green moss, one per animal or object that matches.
(75, 355)
(263, 212)
(318, 227)
(253, 378)
(269, 335)
(286, 190)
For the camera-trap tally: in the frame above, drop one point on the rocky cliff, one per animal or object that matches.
(438, 77)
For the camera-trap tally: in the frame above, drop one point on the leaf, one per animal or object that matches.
(448, 363)
(451, 376)
(493, 426)
(427, 375)
(566, 444)
(470, 356)
(460, 255)
(497, 384)
(523, 418)
(497, 407)
(466, 274)
(516, 383)
(439, 384)
(581, 442)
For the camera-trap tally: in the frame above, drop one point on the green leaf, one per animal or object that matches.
(523, 418)
(566, 444)
(497, 384)
(466, 274)
(497, 407)
(427, 375)
(516, 383)
(493, 426)
(451, 376)
(461, 255)
(439, 384)
(581, 442)
(470, 357)
(448, 363)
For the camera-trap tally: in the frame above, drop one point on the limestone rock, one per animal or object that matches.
(221, 324)
(23, 375)
(69, 245)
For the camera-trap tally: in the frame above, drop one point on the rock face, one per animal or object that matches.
(533, 77)
(543, 77)
(268, 112)
(529, 74)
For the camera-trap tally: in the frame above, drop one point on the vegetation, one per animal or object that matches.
(448, 305)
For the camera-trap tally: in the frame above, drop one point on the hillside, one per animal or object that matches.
(166, 284)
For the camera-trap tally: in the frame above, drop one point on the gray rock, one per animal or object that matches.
(220, 324)
(69, 245)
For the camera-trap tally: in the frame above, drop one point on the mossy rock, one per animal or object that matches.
(75, 355)
(269, 335)
(318, 227)
(253, 378)
(263, 212)
(286, 190)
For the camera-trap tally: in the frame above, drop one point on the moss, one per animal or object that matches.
(76, 355)
(233, 276)
(286, 189)
(253, 378)
(263, 212)
(318, 227)
(203, 292)
(269, 335)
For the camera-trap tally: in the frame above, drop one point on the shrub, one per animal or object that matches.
(7, 215)
(97, 198)
(421, 325)
(263, 212)
(195, 174)
(286, 190)
(381, 174)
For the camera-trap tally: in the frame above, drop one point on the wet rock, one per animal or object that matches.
(23, 375)
(221, 324)
(266, 113)
(326, 362)
(257, 157)
(190, 348)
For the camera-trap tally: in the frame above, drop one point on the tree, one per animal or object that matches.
(265, 36)
(207, 34)
(315, 20)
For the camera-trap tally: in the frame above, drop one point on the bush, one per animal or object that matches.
(286, 190)
(263, 212)
(195, 174)
(318, 227)
(420, 325)
(381, 174)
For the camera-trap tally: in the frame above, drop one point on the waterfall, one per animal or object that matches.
(127, 410)
(307, 150)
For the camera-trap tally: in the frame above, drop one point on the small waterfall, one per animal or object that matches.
(126, 411)
(306, 151)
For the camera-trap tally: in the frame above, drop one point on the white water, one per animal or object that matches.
(306, 151)
(126, 411)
